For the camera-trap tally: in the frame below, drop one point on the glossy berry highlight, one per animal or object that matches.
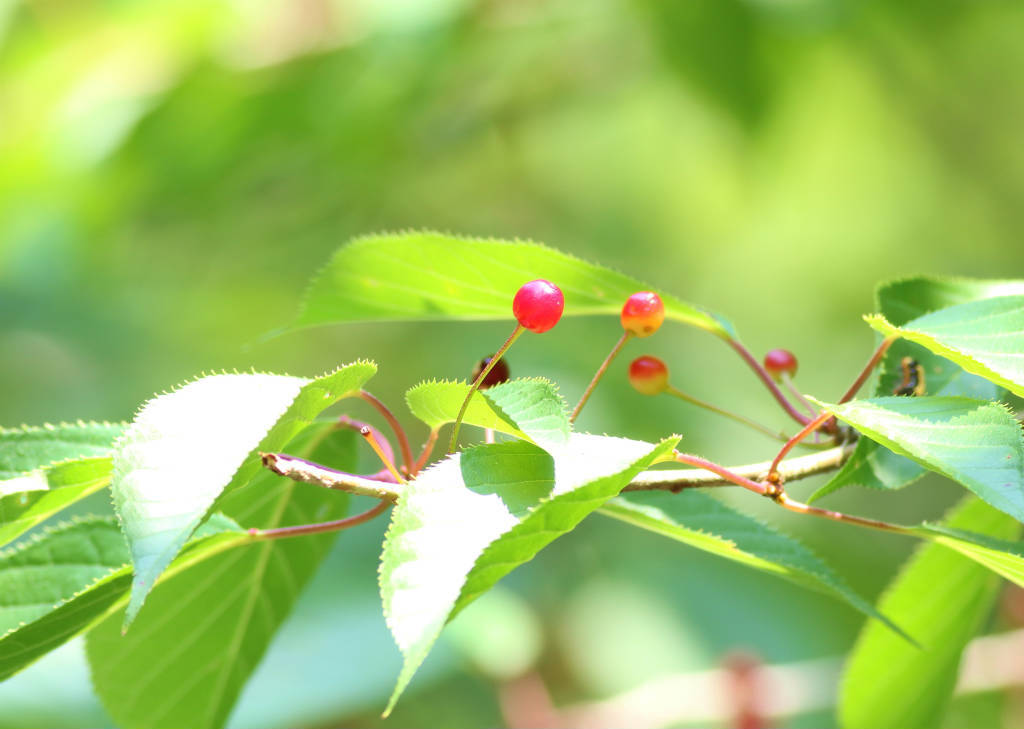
(499, 373)
(538, 305)
(648, 375)
(643, 313)
(779, 362)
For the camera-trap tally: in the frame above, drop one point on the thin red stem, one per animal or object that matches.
(476, 384)
(428, 448)
(769, 383)
(599, 374)
(327, 526)
(866, 372)
(727, 413)
(698, 462)
(403, 441)
(791, 443)
(799, 396)
(367, 434)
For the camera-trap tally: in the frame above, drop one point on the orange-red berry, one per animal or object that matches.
(538, 305)
(643, 313)
(780, 361)
(648, 375)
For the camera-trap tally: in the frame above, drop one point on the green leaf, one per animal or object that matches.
(24, 451)
(1005, 558)
(69, 578)
(54, 488)
(186, 447)
(45, 571)
(905, 299)
(973, 442)
(900, 301)
(530, 409)
(465, 523)
(702, 521)
(985, 337)
(941, 598)
(426, 275)
(190, 652)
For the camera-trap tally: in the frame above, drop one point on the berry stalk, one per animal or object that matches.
(868, 368)
(769, 383)
(476, 384)
(599, 374)
(777, 435)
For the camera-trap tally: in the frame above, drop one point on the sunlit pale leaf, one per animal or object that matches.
(468, 521)
(186, 447)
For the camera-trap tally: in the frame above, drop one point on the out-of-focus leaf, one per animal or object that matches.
(941, 598)
(702, 521)
(467, 522)
(530, 409)
(186, 447)
(716, 45)
(190, 652)
(985, 337)
(434, 276)
(1005, 558)
(973, 442)
(71, 577)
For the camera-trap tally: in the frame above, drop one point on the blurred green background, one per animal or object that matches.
(173, 172)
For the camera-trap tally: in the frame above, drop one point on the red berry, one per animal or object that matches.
(538, 305)
(498, 374)
(648, 375)
(643, 313)
(778, 361)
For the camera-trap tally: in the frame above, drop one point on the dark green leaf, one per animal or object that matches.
(976, 443)
(905, 299)
(465, 523)
(941, 598)
(430, 275)
(184, 448)
(71, 577)
(702, 521)
(52, 567)
(24, 451)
